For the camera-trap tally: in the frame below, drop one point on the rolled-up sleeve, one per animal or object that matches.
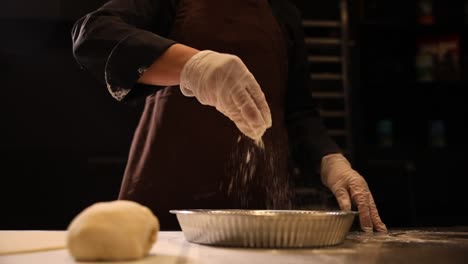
(308, 136)
(120, 40)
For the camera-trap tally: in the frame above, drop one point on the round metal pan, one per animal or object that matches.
(265, 228)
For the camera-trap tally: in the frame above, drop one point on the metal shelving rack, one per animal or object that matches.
(328, 43)
(327, 37)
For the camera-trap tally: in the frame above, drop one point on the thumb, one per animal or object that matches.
(343, 199)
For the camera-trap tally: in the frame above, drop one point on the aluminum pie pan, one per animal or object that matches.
(265, 228)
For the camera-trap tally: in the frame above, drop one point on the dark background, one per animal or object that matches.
(64, 139)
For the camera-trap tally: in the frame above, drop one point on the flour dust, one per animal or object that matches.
(259, 175)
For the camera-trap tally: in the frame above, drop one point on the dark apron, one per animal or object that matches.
(188, 156)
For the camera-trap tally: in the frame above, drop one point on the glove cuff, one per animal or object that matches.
(191, 72)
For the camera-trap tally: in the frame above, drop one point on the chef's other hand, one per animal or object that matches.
(223, 81)
(347, 184)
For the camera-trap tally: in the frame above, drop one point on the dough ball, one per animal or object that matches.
(112, 231)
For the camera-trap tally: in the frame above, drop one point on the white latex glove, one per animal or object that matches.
(347, 184)
(223, 81)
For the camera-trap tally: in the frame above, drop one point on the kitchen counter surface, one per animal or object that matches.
(441, 245)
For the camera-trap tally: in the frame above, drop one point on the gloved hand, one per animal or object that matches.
(223, 81)
(347, 184)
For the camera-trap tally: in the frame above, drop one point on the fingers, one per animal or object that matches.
(342, 197)
(379, 226)
(259, 99)
(361, 196)
(249, 100)
(239, 121)
(362, 203)
(253, 123)
(364, 212)
(368, 213)
(229, 109)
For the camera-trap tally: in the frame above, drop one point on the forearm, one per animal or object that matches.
(114, 43)
(165, 71)
(310, 142)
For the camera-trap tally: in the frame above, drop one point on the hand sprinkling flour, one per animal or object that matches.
(224, 81)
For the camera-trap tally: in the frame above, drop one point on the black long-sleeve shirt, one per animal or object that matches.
(117, 42)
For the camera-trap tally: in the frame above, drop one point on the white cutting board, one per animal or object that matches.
(15, 242)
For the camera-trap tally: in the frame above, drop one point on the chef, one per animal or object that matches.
(228, 110)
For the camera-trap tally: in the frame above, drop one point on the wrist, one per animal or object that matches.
(192, 71)
(166, 70)
(335, 157)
